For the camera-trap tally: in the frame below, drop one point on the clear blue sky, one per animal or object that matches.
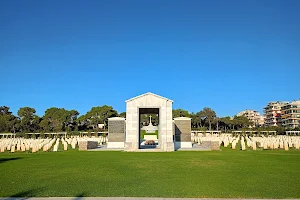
(227, 55)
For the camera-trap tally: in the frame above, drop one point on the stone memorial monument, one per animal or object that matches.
(182, 127)
(125, 133)
(149, 103)
(116, 132)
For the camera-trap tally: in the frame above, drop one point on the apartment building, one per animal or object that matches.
(253, 116)
(290, 116)
(273, 113)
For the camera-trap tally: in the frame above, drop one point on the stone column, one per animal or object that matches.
(132, 127)
(116, 132)
(166, 127)
(182, 132)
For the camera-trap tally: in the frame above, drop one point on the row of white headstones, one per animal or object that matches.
(48, 144)
(34, 145)
(270, 142)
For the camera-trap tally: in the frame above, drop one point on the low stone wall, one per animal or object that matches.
(85, 145)
(210, 145)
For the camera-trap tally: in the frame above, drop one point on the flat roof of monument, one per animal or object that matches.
(149, 93)
(116, 118)
(182, 118)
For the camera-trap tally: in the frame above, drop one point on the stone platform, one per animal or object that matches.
(194, 148)
(104, 148)
(85, 145)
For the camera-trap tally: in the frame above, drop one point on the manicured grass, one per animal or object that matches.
(226, 173)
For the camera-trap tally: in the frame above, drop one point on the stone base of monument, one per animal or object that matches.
(85, 145)
(134, 147)
(115, 145)
(183, 145)
(168, 146)
(131, 146)
(204, 146)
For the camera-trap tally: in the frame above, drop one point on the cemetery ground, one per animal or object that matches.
(227, 173)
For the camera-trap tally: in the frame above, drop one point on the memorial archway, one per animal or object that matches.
(145, 103)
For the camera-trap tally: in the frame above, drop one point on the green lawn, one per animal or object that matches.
(226, 173)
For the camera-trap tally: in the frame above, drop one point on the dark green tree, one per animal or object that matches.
(200, 118)
(225, 123)
(98, 115)
(29, 120)
(209, 115)
(122, 114)
(180, 113)
(59, 119)
(240, 122)
(8, 122)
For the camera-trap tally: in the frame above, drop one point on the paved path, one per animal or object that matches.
(125, 198)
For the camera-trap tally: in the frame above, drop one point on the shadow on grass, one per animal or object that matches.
(80, 196)
(3, 160)
(25, 194)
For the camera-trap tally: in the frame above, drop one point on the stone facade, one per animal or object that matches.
(116, 132)
(165, 128)
(85, 145)
(182, 132)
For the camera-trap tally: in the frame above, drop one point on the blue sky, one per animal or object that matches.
(227, 55)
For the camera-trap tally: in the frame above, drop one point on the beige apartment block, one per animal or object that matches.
(253, 116)
(273, 113)
(290, 116)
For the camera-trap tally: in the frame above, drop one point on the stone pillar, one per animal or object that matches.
(132, 127)
(116, 132)
(182, 132)
(166, 132)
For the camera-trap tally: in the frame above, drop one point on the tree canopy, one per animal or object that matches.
(180, 113)
(97, 115)
(29, 120)
(7, 120)
(61, 119)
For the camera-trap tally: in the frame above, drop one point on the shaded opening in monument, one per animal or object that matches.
(148, 128)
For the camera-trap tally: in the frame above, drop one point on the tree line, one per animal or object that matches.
(60, 119)
(54, 119)
(206, 119)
